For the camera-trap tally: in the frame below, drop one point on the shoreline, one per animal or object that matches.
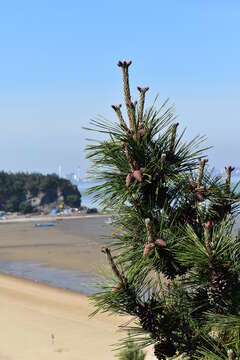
(11, 279)
(41, 322)
(50, 218)
(65, 255)
(44, 323)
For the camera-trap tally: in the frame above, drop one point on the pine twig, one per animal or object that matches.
(230, 355)
(131, 105)
(207, 235)
(149, 231)
(142, 92)
(126, 88)
(163, 159)
(131, 164)
(173, 137)
(229, 171)
(117, 109)
(150, 240)
(202, 164)
(114, 267)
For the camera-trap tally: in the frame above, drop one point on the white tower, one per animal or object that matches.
(60, 171)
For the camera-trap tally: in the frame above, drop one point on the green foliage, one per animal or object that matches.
(131, 352)
(12, 204)
(72, 200)
(16, 191)
(173, 253)
(25, 207)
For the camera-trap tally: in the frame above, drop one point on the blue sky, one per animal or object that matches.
(58, 70)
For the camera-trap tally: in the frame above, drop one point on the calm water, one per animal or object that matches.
(87, 200)
(67, 255)
(78, 281)
(75, 237)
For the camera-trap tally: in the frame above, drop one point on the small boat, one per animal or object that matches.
(44, 224)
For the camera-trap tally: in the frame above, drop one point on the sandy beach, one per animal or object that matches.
(43, 322)
(39, 322)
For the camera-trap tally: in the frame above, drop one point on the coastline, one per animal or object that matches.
(50, 218)
(41, 322)
(66, 255)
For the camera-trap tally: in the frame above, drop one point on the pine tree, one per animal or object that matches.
(131, 351)
(174, 256)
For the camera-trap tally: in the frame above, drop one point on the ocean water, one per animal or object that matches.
(87, 200)
(67, 255)
(26, 251)
(78, 281)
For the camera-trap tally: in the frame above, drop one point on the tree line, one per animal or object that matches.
(18, 189)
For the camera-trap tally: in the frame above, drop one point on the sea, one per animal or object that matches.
(66, 255)
(87, 200)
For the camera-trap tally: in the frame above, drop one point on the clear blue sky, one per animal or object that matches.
(58, 69)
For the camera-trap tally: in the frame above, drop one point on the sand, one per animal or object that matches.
(72, 244)
(16, 218)
(42, 322)
(39, 322)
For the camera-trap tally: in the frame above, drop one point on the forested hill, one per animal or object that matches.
(26, 193)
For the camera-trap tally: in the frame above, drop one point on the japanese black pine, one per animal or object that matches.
(174, 256)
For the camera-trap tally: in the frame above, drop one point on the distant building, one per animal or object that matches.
(60, 171)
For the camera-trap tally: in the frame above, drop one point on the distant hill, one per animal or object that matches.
(34, 192)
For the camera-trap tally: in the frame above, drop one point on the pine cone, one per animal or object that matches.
(138, 175)
(129, 179)
(148, 317)
(116, 288)
(157, 175)
(219, 287)
(161, 243)
(164, 349)
(140, 133)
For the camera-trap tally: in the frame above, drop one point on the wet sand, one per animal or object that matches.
(42, 322)
(71, 244)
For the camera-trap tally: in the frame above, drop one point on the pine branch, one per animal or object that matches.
(124, 65)
(142, 92)
(177, 266)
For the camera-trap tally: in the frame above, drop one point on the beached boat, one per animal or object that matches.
(44, 224)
